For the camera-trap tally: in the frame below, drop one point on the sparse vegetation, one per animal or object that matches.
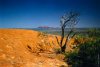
(57, 50)
(94, 32)
(86, 55)
(68, 20)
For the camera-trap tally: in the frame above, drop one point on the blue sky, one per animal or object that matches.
(34, 13)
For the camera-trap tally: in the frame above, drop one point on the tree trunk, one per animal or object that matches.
(62, 37)
(63, 48)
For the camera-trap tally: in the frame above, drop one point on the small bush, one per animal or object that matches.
(57, 50)
(88, 55)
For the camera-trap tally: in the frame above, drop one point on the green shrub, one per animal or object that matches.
(88, 55)
(95, 32)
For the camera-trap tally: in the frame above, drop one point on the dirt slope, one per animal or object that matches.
(27, 48)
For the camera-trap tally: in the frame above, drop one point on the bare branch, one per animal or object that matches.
(73, 35)
(62, 36)
(68, 20)
(57, 40)
(68, 36)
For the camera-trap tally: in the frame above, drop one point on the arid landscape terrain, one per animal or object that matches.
(28, 48)
(49, 33)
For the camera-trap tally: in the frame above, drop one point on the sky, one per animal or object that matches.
(35, 13)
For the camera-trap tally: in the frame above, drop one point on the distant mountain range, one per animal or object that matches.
(46, 27)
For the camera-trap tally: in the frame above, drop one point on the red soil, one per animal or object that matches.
(27, 48)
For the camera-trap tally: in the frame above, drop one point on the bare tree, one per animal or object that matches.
(68, 21)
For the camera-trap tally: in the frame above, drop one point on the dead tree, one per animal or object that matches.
(68, 21)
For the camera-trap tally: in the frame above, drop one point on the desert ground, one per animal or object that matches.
(28, 48)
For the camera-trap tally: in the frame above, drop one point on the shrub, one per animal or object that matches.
(88, 55)
(95, 32)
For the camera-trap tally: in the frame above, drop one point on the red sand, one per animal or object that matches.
(27, 48)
